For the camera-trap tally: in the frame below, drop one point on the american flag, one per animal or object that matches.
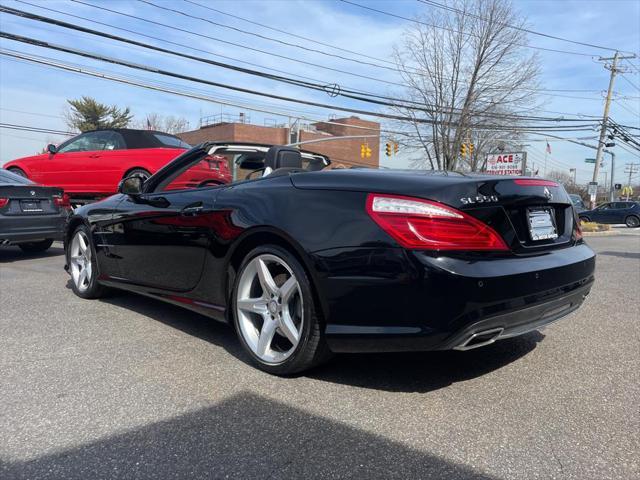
(548, 148)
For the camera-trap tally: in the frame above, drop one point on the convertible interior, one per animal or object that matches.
(276, 160)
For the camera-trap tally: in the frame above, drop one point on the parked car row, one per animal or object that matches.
(90, 165)
(36, 192)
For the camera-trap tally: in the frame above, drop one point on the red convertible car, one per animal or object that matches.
(92, 164)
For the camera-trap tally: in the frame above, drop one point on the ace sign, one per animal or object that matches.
(505, 163)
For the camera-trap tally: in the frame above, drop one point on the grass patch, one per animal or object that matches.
(594, 227)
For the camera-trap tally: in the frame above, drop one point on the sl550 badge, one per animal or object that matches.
(479, 199)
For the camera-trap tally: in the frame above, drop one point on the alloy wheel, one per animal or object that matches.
(269, 308)
(80, 260)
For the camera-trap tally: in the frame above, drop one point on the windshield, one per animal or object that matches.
(576, 200)
(171, 141)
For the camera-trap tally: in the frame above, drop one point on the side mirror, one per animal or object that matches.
(52, 149)
(131, 185)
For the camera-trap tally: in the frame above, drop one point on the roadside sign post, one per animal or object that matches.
(592, 189)
(507, 163)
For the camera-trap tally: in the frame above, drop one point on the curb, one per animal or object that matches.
(604, 233)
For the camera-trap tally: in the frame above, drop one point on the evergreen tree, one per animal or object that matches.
(87, 113)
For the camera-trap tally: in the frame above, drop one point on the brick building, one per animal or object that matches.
(346, 152)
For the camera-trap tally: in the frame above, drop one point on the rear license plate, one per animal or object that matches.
(30, 206)
(541, 224)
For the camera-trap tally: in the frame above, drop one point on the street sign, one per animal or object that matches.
(592, 189)
(505, 163)
(589, 160)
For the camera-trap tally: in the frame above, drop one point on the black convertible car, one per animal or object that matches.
(305, 262)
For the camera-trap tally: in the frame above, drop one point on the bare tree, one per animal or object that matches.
(466, 74)
(168, 124)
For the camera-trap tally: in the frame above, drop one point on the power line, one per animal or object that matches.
(264, 52)
(262, 25)
(323, 82)
(164, 40)
(27, 128)
(265, 37)
(37, 114)
(84, 71)
(382, 12)
(514, 27)
(383, 100)
(375, 79)
(629, 82)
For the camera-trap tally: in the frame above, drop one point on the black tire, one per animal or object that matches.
(312, 349)
(36, 247)
(632, 221)
(584, 219)
(141, 172)
(94, 289)
(17, 171)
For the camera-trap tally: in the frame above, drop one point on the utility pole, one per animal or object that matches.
(613, 169)
(631, 168)
(605, 117)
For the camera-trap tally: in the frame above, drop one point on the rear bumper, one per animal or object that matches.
(394, 300)
(20, 229)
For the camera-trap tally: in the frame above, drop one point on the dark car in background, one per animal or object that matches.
(578, 203)
(304, 263)
(31, 216)
(626, 212)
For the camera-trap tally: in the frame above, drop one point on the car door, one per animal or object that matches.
(162, 236)
(602, 214)
(106, 161)
(621, 211)
(78, 166)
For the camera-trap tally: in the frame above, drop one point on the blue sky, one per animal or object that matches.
(33, 95)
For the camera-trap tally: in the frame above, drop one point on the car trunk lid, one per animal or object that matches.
(518, 208)
(29, 199)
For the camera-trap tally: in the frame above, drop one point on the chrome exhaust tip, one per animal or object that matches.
(480, 339)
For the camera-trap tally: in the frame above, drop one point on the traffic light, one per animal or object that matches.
(367, 151)
(388, 149)
(395, 147)
(363, 150)
(470, 149)
(463, 149)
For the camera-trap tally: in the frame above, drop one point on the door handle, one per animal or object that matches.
(192, 209)
(95, 155)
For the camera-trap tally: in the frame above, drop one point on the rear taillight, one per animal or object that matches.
(577, 231)
(3, 202)
(421, 224)
(534, 182)
(62, 200)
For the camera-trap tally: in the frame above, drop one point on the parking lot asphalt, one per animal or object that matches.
(128, 387)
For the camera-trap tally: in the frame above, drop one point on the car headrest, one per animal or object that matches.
(282, 157)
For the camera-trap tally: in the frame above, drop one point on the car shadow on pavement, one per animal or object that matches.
(621, 254)
(244, 436)
(14, 254)
(401, 372)
(424, 371)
